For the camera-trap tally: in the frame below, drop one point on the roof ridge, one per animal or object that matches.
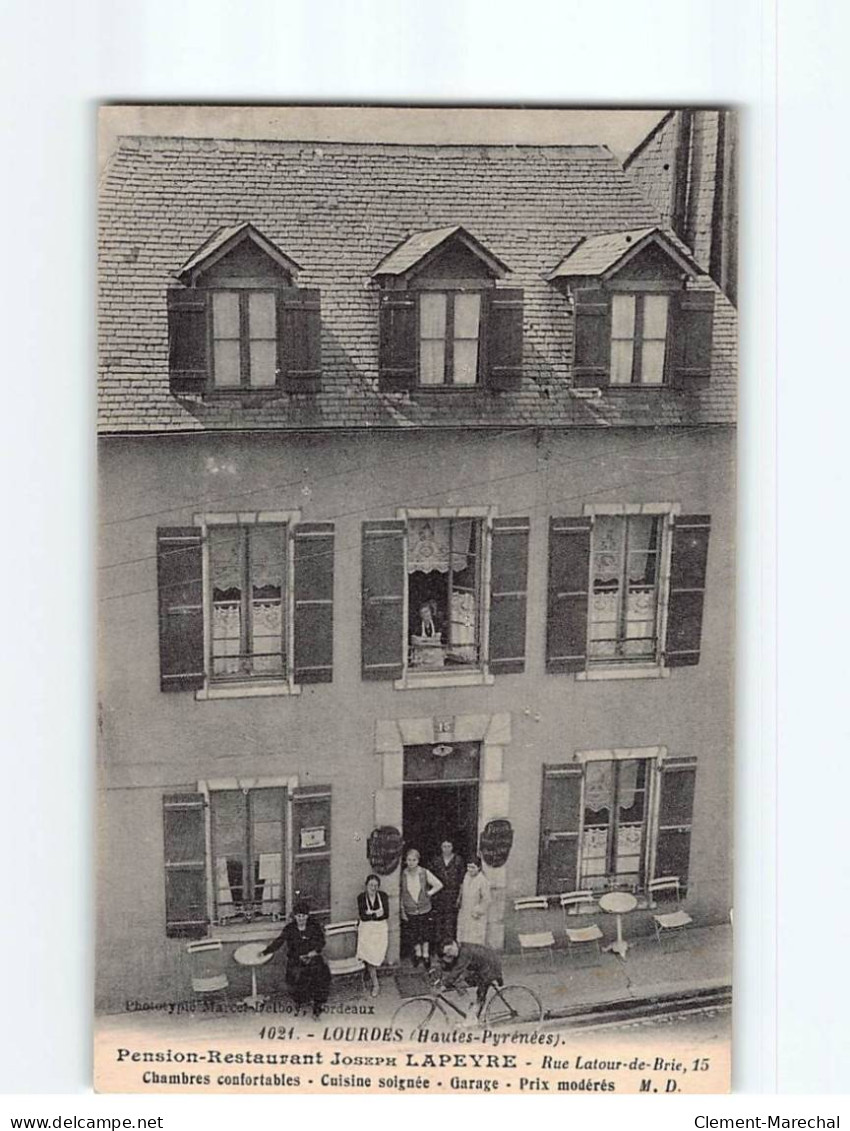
(182, 141)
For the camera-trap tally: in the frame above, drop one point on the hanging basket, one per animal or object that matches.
(496, 841)
(384, 849)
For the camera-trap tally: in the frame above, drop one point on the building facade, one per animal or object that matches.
(417, 521)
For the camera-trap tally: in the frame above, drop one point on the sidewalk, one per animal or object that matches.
(698, 959)
(693, 960)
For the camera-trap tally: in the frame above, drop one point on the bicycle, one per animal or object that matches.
(504, 1005)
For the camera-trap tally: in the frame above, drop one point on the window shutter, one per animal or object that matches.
(187, 340)
(503, 325)
(311, 847)
(181, 611)
(383, 586)
(677, 780)
(592, 359)
(508, 594)
(569, 569)
(692, 330)
(397, 361)
(560, 826)
(185, 858)
(314, 609)
(300, 338)
(688, 559)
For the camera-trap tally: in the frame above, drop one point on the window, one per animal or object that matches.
(615, 810)
(244, 334)
(625, 571)
(616, 819)
(448, 337)
(245, 604)
(626, 591)
(638, 338)
(643, 317)
(458, 339)
(424, 612)
(238, 324)
(247, 830)
(443, 592)
(247, 601)
(269, 844)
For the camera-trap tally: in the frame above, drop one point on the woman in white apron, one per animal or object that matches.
(373, 909)
(474, 901)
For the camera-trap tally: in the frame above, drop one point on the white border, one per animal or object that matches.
(683, 51)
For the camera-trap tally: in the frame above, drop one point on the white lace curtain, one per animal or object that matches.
(428, 545)
(609, 533)
(599, 785)
(267, 557)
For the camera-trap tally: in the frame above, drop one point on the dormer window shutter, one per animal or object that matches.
(503, 359)
(692, 329)
(592, 337)
(300, 338)
(187, 340)
(398, 340)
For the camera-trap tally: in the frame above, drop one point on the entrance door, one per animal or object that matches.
(438, 812)
(440, 798)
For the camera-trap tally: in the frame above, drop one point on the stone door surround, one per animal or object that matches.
(493, 732)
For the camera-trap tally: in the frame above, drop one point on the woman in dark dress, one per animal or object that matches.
(307, 973)
(449, 869)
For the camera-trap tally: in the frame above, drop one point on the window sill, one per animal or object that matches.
(247, 932)
(413, 680)
(245, 690)
(618, 671)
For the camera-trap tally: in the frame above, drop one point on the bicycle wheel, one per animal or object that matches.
(513, 1005)
(416, 1014)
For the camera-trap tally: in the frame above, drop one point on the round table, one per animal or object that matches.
(250, 955)
(618, 903)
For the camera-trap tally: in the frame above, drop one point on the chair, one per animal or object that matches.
(572, 903)
(670, 920)
(208, 976)
(536, 942)
(341, 949)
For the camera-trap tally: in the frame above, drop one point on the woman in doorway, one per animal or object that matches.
(474, 901)
(373, 910)
(418, 885)
(449, 869)
(307, 973)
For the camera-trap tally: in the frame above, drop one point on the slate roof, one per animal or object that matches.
(598, 255)
(220, 242)
(338, 209)
(420, 245)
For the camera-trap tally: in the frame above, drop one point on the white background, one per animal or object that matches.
(786, 65)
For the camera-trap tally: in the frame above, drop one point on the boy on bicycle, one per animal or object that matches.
(478, 966)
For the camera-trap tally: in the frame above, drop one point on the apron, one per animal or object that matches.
(372, 937)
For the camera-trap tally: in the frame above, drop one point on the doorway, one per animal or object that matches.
(440, 798)
(440, 811)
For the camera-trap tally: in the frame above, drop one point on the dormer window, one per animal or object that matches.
(636, 322)
(238, 324)
(638, 338)
(444, 323)
(244, 335)
(449, 323)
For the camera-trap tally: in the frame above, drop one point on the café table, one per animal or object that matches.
(250, 955)
(618, 903)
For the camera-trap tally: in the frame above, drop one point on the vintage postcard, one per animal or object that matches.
(416, 599)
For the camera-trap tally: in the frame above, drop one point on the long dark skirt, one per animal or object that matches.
(310, 981)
